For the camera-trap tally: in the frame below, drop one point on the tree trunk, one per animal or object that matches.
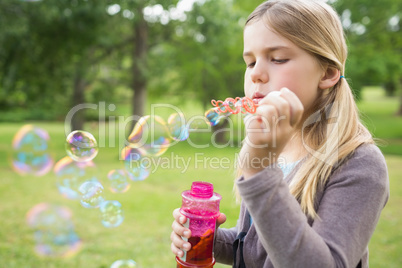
(220, 135)
(399, 113)
(139, 68)
(78, 119)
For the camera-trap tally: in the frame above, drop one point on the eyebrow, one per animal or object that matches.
(265, 50)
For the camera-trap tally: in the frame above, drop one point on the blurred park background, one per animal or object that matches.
(124, 56)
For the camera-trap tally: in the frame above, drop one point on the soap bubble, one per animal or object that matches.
(91, 194)
(30, 137)
(124, 264)
(31, 163)
(54, 232)
(71, 175)
(111, 213)
(150, 135)
(135, 163)
(213, 116)
(81, 146)
(177, 127)
(30, 156)
(118, 181)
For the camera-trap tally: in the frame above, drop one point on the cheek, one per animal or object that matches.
(247, 85)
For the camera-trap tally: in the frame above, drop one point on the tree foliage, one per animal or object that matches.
(373, 30)
(56, 54)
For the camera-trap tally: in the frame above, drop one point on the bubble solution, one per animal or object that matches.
(201, 207)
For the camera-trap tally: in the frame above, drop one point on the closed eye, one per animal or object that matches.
(251, 65)
(279, 61)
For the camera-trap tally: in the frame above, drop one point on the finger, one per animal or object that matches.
(176, 251)
(178, 216)
(281, 104)
(295, 105)
(179, 229)
(179, 243)
(267, 114)
(221, 219)
(270, 95)
(176, 213)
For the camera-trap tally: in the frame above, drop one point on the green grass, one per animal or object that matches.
(378, 114)
(144, 234)
(148, 205)
(386, 244)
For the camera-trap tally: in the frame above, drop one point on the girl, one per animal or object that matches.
(312, 182)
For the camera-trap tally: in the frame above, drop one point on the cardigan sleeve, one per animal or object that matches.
(223, 246)
(348, 212)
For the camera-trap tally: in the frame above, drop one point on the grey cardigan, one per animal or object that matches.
(281, 235)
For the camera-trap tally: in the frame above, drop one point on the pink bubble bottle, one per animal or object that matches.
(201, 207)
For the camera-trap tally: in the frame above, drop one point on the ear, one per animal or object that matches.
(330, 78)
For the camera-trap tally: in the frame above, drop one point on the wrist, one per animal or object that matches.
(251, 163)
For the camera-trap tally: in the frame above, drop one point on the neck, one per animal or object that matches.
(294, 149)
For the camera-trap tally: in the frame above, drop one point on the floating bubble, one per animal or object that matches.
(54, 232)
(135, 163)
(29, 138)
(177, 127)
(150, 135)
(81, 146)
(213, 116)
(124, 264)
(118, 181)
(30, 154)
(71, 175)
(32, 163)
(111, 213)
(197, 123)
(91, 194)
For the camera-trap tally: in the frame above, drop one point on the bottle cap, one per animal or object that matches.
(202, 189)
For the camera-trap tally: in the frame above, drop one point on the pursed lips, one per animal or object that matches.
(257, 97)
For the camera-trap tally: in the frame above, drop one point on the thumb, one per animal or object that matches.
(221, 219)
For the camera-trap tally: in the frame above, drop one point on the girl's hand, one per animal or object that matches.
(179, 231)
(268, 131)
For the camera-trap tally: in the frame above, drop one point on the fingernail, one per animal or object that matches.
(182, 219)
(186, 246)
(179, 253)
(186, 233)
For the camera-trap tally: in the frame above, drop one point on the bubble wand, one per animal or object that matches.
(228, 107)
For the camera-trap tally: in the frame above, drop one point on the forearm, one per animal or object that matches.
(280, 224)
(337, 238)
(223, 246)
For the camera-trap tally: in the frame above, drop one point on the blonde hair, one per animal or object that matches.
(315, 27)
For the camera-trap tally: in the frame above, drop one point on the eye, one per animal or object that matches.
(251, 65)
(279, 61)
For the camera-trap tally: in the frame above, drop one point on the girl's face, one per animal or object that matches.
(274, 62)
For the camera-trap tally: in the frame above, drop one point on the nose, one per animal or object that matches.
(259, 73)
